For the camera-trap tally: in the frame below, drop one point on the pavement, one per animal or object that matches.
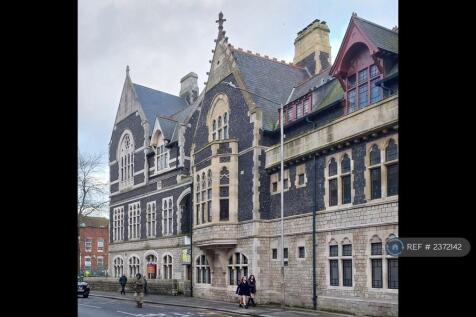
(107, 307)
(163, 305)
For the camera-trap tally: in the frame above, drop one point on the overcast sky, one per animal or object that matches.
(162, 40)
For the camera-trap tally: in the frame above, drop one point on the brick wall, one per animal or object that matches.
(94, 234)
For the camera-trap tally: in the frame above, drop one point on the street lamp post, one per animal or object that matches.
(281, 123)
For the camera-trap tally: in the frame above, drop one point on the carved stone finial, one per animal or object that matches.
(220, 21)
(354, 14)
(127, 70)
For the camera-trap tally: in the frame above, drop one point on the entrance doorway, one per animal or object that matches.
(151, 266)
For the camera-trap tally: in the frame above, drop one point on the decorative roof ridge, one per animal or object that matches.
(157, 90)
(272, 59)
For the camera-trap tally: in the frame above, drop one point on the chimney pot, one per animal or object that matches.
(189, 87)
(312, 47)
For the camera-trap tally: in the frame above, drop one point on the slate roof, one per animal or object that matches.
(328, 94)
(268, 78)
(156, 102)
(94, 222)
(310, 84)
(275, 80)
(167, 126)
(382, 37)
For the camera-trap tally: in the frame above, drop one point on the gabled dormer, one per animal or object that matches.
(161, 136)
(368, 54)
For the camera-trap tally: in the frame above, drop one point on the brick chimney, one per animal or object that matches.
(189, 87)
(312, 48)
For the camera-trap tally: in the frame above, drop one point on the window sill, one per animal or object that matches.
(347, 288)
(338, 206)
(163, 171)
(393, 198)
(275, 193)
(373, 290)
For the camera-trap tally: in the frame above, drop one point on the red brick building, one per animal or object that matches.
(93, 245)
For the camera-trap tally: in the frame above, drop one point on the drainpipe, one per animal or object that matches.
(314, 208)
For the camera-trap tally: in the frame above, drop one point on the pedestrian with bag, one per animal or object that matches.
(243, 290)
(123, 282)
(139, 289)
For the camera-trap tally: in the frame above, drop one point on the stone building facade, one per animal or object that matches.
(223, 174)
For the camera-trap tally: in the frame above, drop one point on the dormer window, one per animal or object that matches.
(297, 109)
(161, 151)
(162, 158)
(365, 91)
(351, 81)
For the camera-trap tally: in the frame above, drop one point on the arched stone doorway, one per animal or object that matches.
(151, 261)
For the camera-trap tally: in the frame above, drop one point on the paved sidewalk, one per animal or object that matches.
(183, 301)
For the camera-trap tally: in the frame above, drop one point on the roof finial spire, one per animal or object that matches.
(220, 21)
(354, 14)
(127, 70)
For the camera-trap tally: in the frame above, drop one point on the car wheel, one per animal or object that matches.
(86, 294)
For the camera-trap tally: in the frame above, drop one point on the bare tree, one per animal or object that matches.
(92, 190)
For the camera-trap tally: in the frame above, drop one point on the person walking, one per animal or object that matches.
(139, 289)
(123, 282)
(145, 286)
(243, 290)
(252, 285)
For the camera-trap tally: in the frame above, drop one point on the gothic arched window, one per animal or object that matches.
(134, 266)
(333, 190)
(391, 162)
(345, 179)
(224, 194)
(118, 267)
(237, 267)
(375, 173)
(167, 264)
(203, 270)
(126, 161)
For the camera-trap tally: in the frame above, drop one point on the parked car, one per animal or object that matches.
(83, 288)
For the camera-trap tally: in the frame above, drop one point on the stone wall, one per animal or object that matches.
(256, 239)
(156, 287)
